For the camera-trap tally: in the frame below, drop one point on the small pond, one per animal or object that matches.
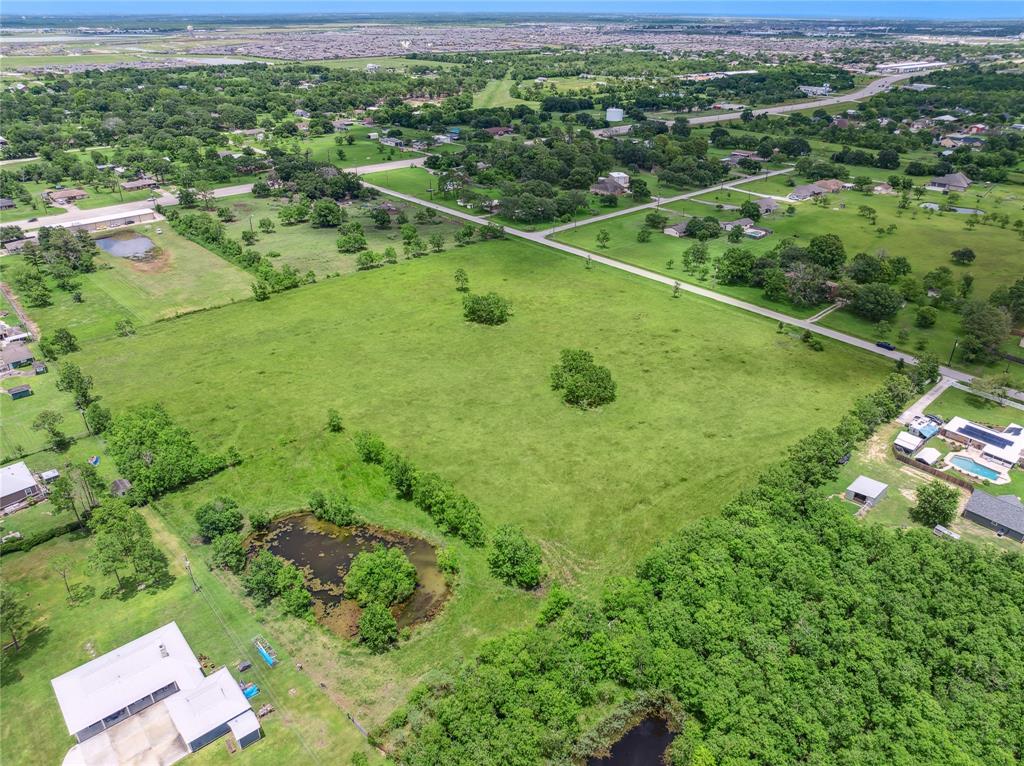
(324, 551)
(643, 745)
(127, 244)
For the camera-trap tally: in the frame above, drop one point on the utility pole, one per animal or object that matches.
(955, 342)
(188, 568)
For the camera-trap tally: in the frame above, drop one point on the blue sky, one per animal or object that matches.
(936, 9)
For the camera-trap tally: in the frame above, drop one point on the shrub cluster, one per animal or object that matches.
(383, 576)
(334, 508)
(452, 511)
(583, 383)
(489, 309)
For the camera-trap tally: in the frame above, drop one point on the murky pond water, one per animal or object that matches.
(127, 244)
(643, 745)
(324, 552)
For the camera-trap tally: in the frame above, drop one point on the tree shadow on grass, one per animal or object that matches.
(13, 659)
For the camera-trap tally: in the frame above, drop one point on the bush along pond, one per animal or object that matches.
(324, 552)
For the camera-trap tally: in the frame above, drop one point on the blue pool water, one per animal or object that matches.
(976, 468)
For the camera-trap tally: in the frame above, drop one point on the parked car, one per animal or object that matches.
(886, 345)
(936, 419)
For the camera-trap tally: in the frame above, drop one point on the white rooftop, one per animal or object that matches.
(862, 485)
(15, 478)
(137, 213)
(928, 456)
(908, 441)
(1006, 445)
(216, 699)
(114, 680)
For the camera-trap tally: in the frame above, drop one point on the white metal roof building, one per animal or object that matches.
(928, 456)
(866, 491)
(157, 666)
(111, 220)
(907, 442)
(1006, 447)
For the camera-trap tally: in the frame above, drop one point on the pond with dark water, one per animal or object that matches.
(324, 552)
(127, 244)
(643, 745)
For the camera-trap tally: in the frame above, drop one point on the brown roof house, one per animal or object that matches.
(956, 182)
(608, 186)
(63, 196)
(832, 185)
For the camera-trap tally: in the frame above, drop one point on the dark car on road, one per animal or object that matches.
(886, 345)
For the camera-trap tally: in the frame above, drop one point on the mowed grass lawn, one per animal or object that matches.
(307, 248)
(496, 94)
(306, 727)
(182, 277)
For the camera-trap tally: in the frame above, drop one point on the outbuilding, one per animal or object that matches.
(20, 392)
(907, 443)
(120, 487)
(865, 491)
(928, 456)
(16, 355)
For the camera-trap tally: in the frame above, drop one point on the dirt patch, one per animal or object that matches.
(159, 259)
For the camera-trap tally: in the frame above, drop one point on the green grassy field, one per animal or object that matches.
(496, 94)
(363, 152)
(390, 350)
(183, 277)
(306, 726)
(307, 248)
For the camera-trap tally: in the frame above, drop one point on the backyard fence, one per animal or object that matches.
(944, 475)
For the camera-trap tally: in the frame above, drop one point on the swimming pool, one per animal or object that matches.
(976, 468)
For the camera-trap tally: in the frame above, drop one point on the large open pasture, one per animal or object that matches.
(706, 397)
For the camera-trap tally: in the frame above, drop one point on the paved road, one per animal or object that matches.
(872, 88)
(918, 407)
(539, 237)
(658, 201)
(167, 198)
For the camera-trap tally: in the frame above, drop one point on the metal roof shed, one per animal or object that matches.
(866, 491)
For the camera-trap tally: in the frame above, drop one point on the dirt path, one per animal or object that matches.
(22, 316)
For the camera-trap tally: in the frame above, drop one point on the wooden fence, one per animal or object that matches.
(944, 475)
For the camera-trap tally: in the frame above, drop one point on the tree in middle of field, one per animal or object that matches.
(583, 383)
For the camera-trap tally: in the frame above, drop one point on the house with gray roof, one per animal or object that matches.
(956, 182)
(1003, 514)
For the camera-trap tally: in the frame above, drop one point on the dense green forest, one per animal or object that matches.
(788, 632)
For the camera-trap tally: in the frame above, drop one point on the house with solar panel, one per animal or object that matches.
(1005, 448)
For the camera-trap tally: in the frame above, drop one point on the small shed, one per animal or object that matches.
(865, 491)
(928, 456)
(50, 476)
(20, 392)
(120, 487)
(907, 443)
(40, 368)
(940, 531)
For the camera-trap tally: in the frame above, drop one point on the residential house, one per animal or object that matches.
(498, 132)
(12, 333)
(64, 196)
(806, 191)
(608, 185)
(6, 203)
(676, 229)
(149, 183)
(831, 185)
(156, 676)
(741, 223)
(1005, 447)
(301, 113)
(614, 114)
(620, 178)
(14, 356)
(1004, 514)
(15, 245)
(17, 486)
(955, 182)
(766, 205)
(882, 188)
